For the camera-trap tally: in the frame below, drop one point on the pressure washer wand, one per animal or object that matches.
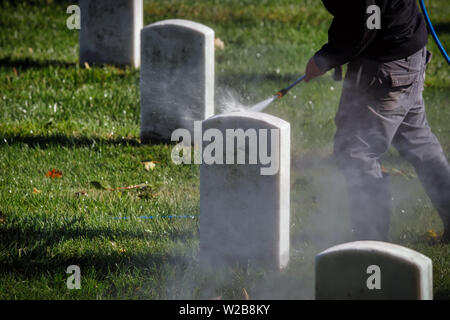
(282, 92)
(264, 104)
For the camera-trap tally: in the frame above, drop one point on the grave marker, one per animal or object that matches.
(244, 208)
(373, 270)
(177, 77)
(110, 32)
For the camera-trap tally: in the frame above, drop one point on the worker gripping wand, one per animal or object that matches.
(338, 71)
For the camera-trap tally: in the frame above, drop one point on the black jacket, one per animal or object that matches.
(403, 32)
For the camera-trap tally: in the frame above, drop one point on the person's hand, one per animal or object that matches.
(312, 70)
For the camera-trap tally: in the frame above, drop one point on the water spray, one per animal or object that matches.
(264, 104)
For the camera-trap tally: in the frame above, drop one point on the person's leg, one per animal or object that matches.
(416, 143)
(361, 138)
(374, 102)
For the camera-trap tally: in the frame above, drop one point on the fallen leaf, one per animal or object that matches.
(98, 185)
(86, 65)
(54, 174)
(431, 235)
(219, 44)
(36, 191)
(81, 193)
(245, 294)
(147, 193)
(138, 186)
(397, 172)
(403, 174)
(149, 165)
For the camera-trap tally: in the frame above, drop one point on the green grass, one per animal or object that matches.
(85, 122)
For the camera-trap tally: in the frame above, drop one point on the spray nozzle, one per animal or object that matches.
(281, 93)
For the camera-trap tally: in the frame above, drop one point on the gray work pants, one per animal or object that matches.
(382, 104)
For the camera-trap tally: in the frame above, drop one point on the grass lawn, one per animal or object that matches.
(85, 123)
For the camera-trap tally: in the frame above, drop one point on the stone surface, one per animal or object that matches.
(342, 272)
(110, 32)
(177, 77)
(244, 215)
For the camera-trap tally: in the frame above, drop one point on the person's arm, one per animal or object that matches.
(348, 36)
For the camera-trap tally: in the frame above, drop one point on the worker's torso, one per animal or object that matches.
(402, 31)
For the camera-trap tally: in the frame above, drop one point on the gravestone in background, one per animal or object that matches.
(177, 77)
(110, 32)
(373, 270)
(244, 208)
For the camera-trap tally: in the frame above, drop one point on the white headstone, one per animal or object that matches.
(244, 208)
(373, 270)
(177, 77)
(110, 32)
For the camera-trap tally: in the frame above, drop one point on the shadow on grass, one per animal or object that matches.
(24, 236)
(103, 263)
(44, 141)
(442, 28)
(28, 63)
(37, 259)
(24, 64)
(38, 3)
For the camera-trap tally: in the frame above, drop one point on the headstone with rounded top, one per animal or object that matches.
(244, 191)
(177, 77)
(110, 32)
(373, 270)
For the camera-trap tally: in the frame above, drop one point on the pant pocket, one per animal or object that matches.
(393, 97)
(402, 80)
